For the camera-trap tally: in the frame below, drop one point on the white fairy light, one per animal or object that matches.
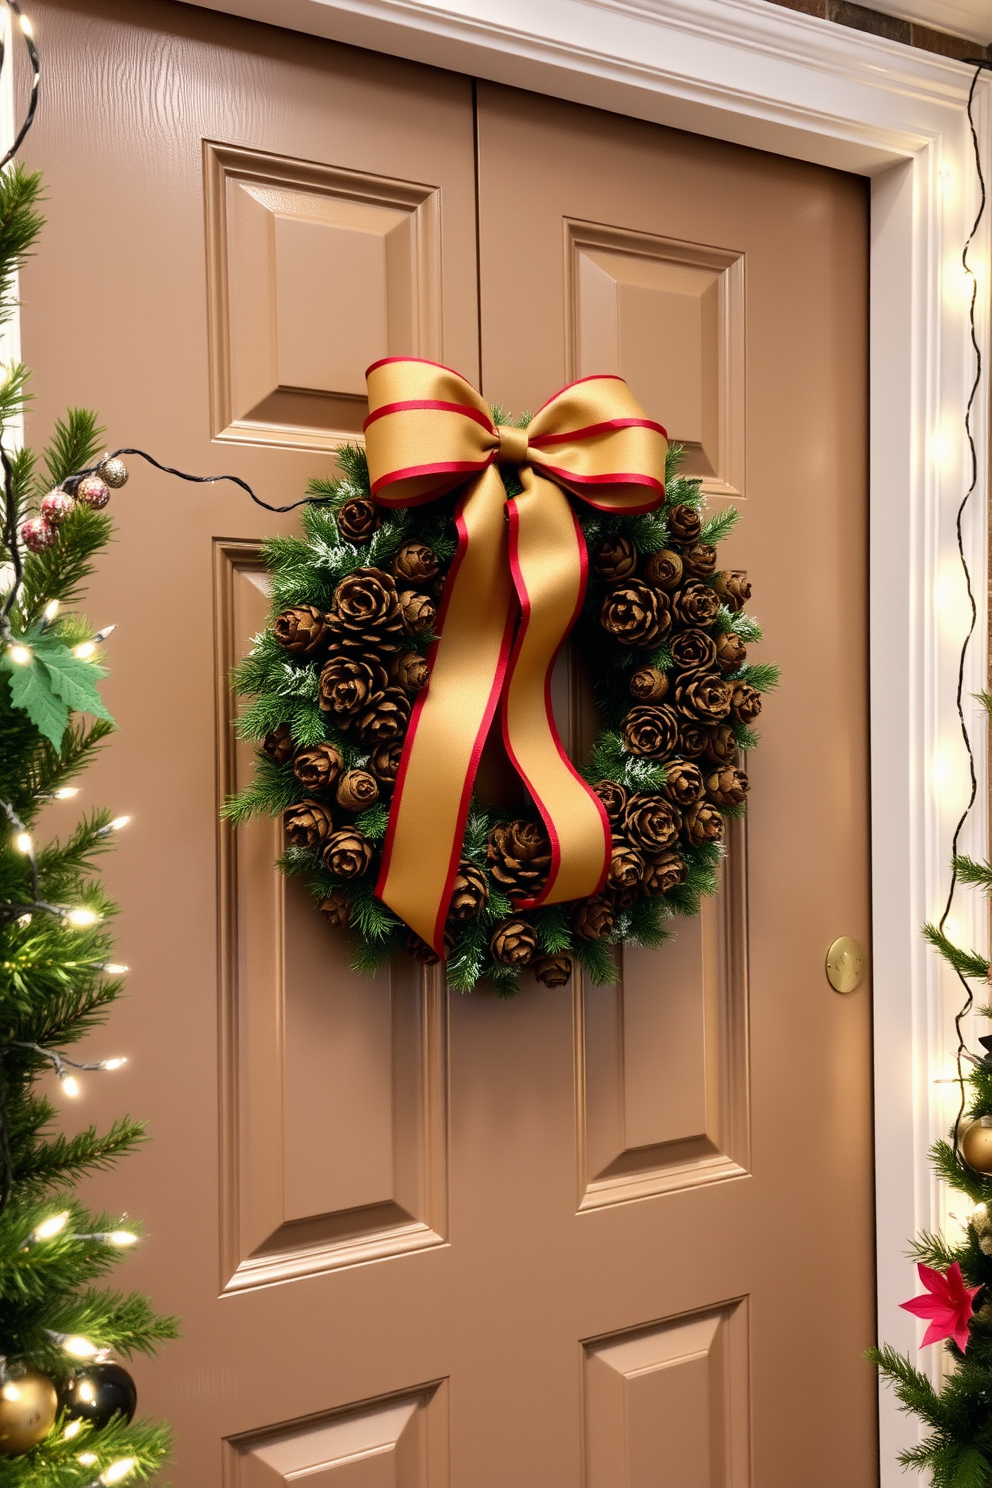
(81, 918)
(50, 1227)
(21, 655)
(23, 842)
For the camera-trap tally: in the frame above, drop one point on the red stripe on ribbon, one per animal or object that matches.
(541, 441)
(457, 468)
(436, 404)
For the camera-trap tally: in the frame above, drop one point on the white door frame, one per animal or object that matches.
(753, 73)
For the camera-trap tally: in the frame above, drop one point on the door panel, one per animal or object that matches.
(334, 1132)
(455, 1242)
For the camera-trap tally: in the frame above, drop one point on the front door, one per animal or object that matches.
(590, 1237)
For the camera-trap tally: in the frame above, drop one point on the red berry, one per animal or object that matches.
(56, 506)
(94, 491)
(37, 535)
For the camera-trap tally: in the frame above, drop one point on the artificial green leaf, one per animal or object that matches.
(31, 690)
(73, 679)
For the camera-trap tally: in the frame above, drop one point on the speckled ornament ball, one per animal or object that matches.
(37, 535)
(94, 491)
(113, 471)
(56, 506)
(28, 1403)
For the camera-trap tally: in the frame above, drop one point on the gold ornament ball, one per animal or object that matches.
(976, 1145)
(113, 471)
(27, 1412)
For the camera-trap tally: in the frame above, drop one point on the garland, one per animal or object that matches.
(664, 636)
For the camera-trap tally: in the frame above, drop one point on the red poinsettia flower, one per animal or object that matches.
(948, 1304)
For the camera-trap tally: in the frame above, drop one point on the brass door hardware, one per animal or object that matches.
(845, 964)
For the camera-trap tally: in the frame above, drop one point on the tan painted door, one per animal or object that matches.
(591, 1238)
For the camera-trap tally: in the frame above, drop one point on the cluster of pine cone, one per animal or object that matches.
(369, 676)
(683, 718)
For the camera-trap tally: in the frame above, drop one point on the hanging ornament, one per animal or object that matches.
(28, 1404)
(37, 535)
(98, 1393)
(976, 1145)
(56, 506)
(113, 471)
(93, 491)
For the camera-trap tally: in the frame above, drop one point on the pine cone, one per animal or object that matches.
(278, 744)
(695, 604)
(348, 853)
(683, 782)
(357, 520)
(301, 630)
(308, 824)
(721, 746)
(693, 650)
(348, 684)
(648, 684)
(513, 943)
(614, 559)
(519, 856)
(415, 565)
(652, 823)
(418, 612)
(385, 762)
(694, 738)
(726, 786)
(745, 703)
(336, 909)
(699, 560)
(664, 570)
(592, 919)
(622, 898)
(703, 696)
(635, 614)
(470, 893)
(318, 767)
(731, 651)
(423, 953)
(733, 588)
(409, 671)
(553, 971)
(365, 613)
(436, 590)
(703, 823)
(650, 731)
(663, 874)
(357, 789)
(385, 718)
(626, 867)
(684, 523)
(614, 798)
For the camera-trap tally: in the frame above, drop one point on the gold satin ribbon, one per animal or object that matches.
(514, 591)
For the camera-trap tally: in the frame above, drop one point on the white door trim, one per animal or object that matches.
(756, 74)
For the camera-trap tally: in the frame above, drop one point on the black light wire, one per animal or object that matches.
(962, 1052)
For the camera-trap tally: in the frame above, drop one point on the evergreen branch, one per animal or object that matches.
(966, 963)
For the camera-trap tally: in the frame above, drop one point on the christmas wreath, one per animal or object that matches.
(361, 601)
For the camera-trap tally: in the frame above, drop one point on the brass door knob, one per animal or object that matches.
(845, 965)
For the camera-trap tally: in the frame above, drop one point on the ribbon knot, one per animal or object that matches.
(512, 444)
(512, 595)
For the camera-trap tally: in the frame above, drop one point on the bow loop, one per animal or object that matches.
(514, 592)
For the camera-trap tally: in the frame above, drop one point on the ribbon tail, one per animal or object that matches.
(549, 564)
(451, 717)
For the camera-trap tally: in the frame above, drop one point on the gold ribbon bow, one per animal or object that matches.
(514, 592)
